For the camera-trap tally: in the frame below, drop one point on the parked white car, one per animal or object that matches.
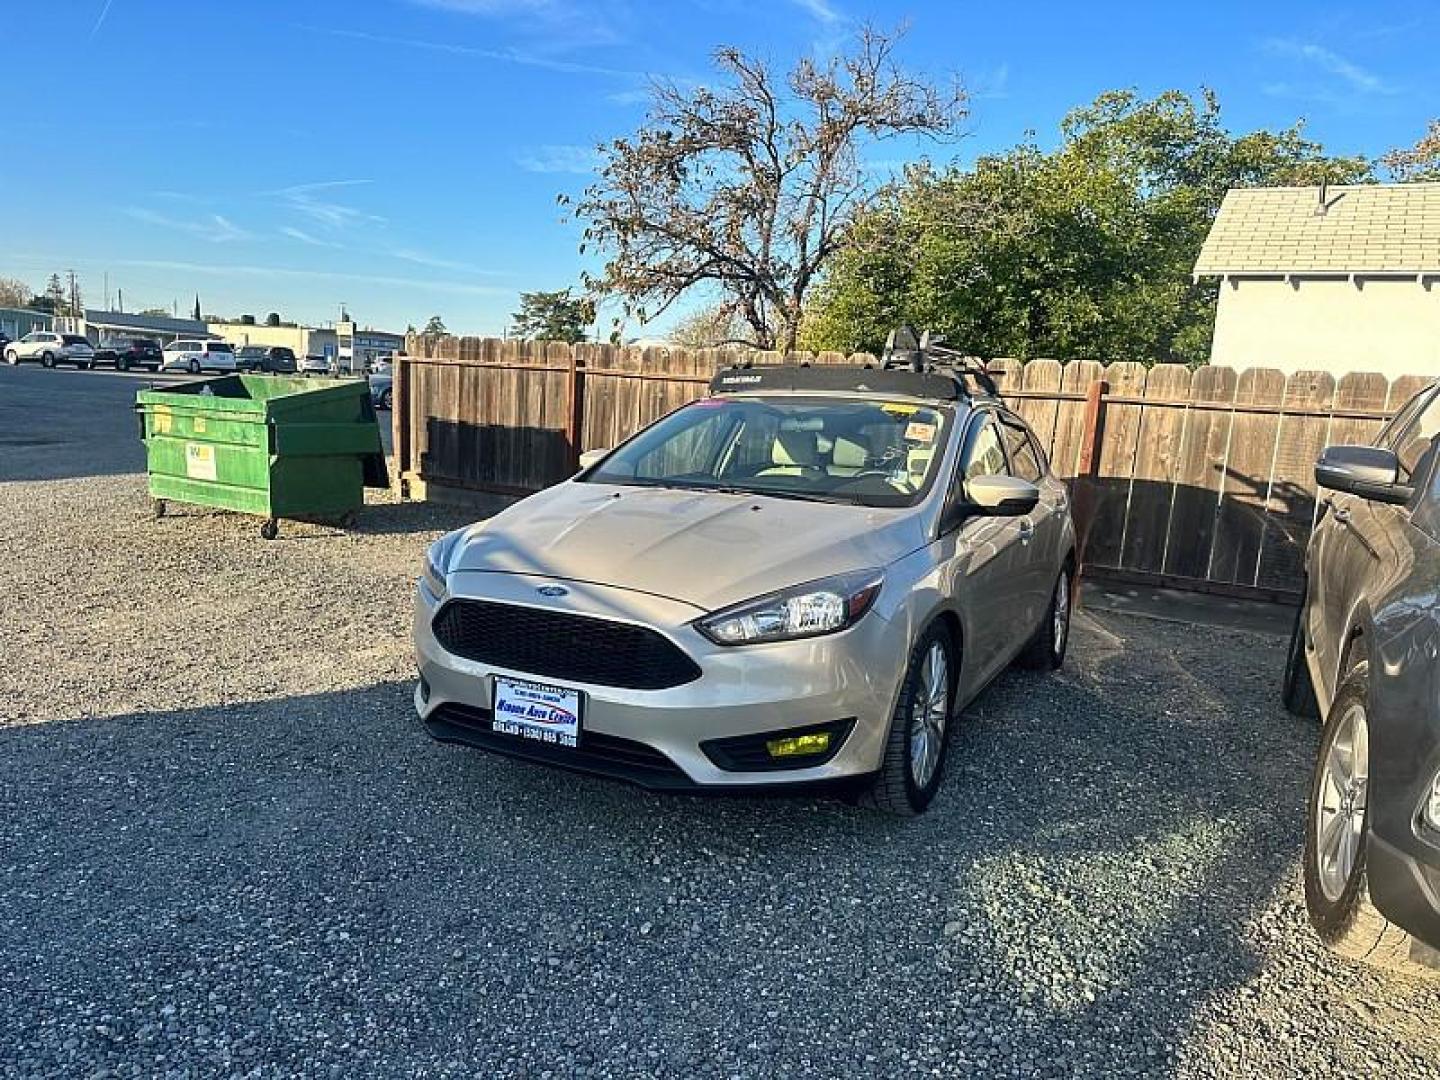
(194, 356)
(51, 349)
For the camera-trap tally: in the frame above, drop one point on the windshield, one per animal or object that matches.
(865, 452)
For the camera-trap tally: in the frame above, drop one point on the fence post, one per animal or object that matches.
(1085, 488)
(575, 420)
(400, 423)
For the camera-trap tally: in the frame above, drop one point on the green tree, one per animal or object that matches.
(1081, 251)
(553, 316)
(55, 296)
(750, 187)
(1418, 162)
(435, 328)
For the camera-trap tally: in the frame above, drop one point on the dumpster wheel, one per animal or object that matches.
(270, 530)
(157, 507)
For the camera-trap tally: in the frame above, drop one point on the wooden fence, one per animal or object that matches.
(1196, 479)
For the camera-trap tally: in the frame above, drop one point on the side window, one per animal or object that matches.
(1023, 462)
(691, 452)
(1415, 440)
(985, 456)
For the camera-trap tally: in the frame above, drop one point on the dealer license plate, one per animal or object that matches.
(548, 714)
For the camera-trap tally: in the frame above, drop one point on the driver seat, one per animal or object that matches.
(794, 453)
(847, 457)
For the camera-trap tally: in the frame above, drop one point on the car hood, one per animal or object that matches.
(704, 548)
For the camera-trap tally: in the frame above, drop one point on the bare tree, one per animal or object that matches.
(1418, 162)
(752, 187)
(710, 327)
(14, 293)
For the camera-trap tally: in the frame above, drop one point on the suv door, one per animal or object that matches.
(983, 560)
(1365, 541)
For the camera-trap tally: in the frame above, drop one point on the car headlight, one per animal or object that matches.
(817, 607)
(1432, 804)
(437, 561)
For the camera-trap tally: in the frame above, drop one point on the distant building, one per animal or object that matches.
(17, 322)
(360, 348)
(301, 340)
(1333, 279)
(103, 327)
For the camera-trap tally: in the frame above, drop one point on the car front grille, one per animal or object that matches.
(561, 645)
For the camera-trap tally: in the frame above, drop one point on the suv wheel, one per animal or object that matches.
(194, 367)
(1298, 692)
(914, 761)
(12, 357)
(122, 365)
(47, 359)
(1046, 650)
(1337, 887)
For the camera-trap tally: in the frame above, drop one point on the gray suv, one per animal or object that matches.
(1363, 656)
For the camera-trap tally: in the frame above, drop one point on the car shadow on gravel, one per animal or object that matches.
(269, 870)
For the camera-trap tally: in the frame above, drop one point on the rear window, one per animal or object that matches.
(74, 339)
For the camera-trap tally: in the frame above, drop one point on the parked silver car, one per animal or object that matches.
(801, 578)
(1364, 656)
(51, 348)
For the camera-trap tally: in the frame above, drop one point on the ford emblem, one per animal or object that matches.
(552, 590)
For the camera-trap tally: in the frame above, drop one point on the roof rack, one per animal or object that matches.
(914, 365)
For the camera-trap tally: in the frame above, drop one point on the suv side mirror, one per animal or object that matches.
(1371, 472)
(1001, 496)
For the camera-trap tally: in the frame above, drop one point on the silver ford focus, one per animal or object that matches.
(799, 579)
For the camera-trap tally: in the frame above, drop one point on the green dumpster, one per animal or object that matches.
(263, 444)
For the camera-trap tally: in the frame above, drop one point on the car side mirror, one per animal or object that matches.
(1371, 472)
(1001, 496)
(592, 457)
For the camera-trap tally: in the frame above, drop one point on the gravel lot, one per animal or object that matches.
(226, 848)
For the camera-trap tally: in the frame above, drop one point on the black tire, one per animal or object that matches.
(270, 530)
(122, 365)
(1298, 691)
(194, 366)
(894, 788)
(385, 400)
(12, 357)
(83, 365)
(1046, 650)
(47, 359)
(1350, 924)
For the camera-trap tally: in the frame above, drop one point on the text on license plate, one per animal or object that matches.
(550, 714)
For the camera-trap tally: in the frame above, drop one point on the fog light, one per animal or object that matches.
(799, 745)
(1432, 804)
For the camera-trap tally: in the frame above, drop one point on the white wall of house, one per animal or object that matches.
(1386, 325)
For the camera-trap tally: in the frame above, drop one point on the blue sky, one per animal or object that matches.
(403, 156)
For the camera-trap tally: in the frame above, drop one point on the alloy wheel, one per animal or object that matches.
(1061, 612)
(929, 712)
(1341, 802)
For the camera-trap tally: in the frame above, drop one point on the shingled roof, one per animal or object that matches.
(1367, 228)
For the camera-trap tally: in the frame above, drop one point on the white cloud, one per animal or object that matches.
(213, 228)
(421, 258)
(504, 56)
(822, 11)
(306, 199)
(1358, 79)
(559, 158)
(306, 238)
(219, 270)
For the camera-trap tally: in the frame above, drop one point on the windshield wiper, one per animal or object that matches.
(795, 496)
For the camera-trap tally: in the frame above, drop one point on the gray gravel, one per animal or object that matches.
(226, 848)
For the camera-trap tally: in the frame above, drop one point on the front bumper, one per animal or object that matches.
(1406, 890)
(656, 738)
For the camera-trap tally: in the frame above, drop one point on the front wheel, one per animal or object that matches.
(12, 357)
(1337, 886)
(194, 367)
(122, 365)
(914, 761)
(47, 359)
